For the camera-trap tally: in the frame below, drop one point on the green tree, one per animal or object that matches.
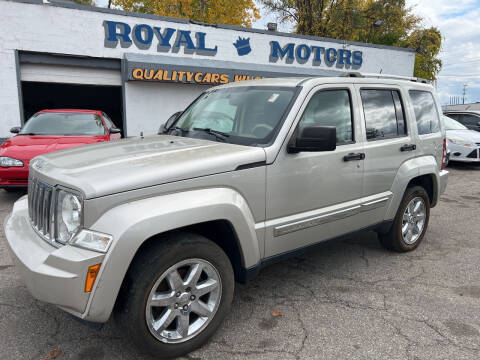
(386, 22)
(86, 2)
(232, 12)
(428, 43)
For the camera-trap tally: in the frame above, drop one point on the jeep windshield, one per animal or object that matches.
(247, 115)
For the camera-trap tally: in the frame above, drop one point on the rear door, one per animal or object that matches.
(389, 141)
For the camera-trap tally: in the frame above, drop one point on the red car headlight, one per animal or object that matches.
(6, 161)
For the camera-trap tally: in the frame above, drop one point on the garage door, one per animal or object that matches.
(51, 73)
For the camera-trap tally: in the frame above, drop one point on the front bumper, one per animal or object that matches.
(464, 153)
(14, 177)
(53, 275)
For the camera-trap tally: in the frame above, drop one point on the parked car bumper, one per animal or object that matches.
(53, 275)
(14, 177)
(464, 153)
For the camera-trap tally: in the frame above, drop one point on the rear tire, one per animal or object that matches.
(167, 315)
(410, 223)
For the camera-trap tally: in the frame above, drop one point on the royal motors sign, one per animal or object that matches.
(303, 53)
(167, 39)
(179, 41)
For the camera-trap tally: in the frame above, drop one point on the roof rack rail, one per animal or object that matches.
(357, 74)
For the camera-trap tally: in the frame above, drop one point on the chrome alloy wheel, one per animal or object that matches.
(413, 220)
(183, 300)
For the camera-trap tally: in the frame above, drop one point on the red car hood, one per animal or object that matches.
(26, 147)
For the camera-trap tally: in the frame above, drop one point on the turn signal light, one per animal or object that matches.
(444, 153)
(92, 273)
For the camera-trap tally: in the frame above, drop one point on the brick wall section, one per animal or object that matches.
(9, 108)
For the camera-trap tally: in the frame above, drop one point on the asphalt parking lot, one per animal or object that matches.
(348, 299)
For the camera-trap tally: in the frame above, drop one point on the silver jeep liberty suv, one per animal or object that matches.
(156, 230)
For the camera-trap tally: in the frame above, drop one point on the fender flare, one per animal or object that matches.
(132, 223)
(410, 169)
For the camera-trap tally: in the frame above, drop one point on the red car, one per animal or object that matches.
(47, 131)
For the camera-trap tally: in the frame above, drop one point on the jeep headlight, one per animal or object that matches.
(68, 216)
(6, 161)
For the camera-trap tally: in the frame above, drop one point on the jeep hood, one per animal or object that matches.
(128, 164)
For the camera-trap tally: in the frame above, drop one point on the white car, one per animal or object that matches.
(463, 144)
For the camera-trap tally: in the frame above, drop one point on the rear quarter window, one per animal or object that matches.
(426, 114)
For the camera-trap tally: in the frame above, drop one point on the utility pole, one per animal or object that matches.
(464, 93)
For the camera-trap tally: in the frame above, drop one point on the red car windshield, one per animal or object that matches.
(64, 124)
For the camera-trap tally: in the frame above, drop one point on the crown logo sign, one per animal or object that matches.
(243, 46)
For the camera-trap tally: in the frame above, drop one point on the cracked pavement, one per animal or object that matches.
(347, 299)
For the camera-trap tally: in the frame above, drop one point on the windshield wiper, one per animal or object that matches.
(178, 128)
(218, 134)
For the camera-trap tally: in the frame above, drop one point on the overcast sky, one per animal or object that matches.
(459, 22)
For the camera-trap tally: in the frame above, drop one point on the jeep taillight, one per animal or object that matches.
(444, 153)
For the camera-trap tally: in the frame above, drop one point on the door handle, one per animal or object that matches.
(354, 156)
(408, 147)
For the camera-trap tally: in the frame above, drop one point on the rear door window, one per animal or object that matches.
(425, 112)
(384, 113)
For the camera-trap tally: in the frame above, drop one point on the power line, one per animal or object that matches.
(462, 62)
(460, 75)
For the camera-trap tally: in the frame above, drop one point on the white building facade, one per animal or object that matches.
(140, 68)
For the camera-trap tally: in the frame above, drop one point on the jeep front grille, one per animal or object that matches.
(41, 207)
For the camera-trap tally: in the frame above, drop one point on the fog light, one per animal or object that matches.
(92, 273)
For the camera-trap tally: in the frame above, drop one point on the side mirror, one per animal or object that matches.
(168, 124)
(314, 138)
(115, 130)
(478, 123)
(15, 129)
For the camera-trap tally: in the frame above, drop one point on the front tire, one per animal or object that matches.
(410, 223)
(175, 295)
